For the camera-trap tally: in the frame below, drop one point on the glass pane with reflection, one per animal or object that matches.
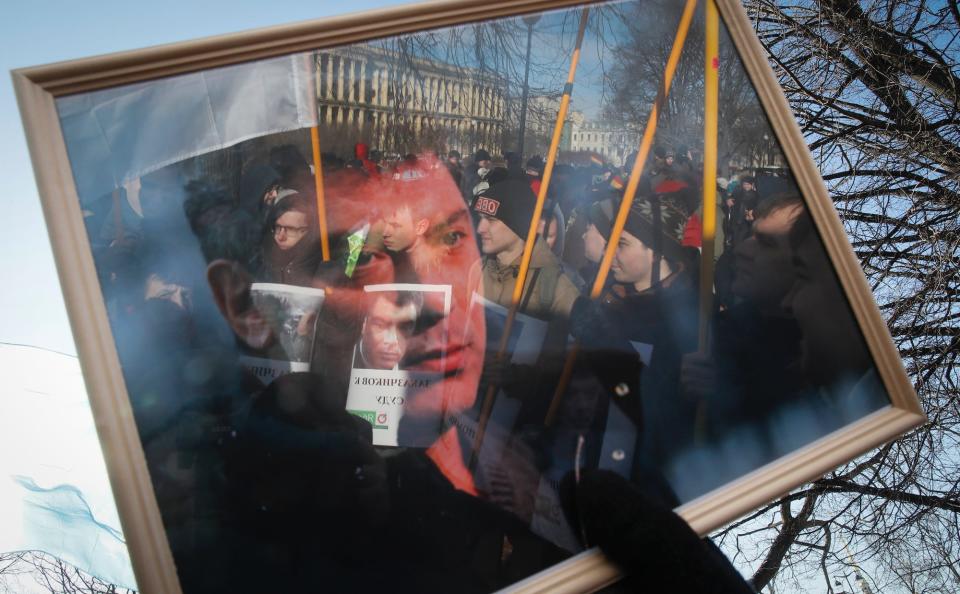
(310, 266)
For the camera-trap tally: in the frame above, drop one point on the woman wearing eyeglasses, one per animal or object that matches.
(291, 251)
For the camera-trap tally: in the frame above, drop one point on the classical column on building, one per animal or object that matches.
(341, 95)
(478, 101)
(364, 104)
(467, 99)
(384, 92)
(352, 81)
(329, 92)
(418, 83)
(411, 93)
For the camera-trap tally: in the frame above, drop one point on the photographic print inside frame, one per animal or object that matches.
(330, 365)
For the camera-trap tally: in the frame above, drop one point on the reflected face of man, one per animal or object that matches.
(289, 229)
(632, 262)
(452, 344)
(386, 331)
(548, 231)
(593, 244)
(764, 268)
(398, 230)
(495, 236)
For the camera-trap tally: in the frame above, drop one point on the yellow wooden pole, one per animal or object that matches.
(487, 407)
(710, 110)
(645, 143)
(321, 203)
(317, 164)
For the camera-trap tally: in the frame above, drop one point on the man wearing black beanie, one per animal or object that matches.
(633, 339)
(505, 210)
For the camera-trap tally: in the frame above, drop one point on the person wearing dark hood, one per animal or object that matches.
(259, 185)
(742, 210)
(474, 173)
(454, 166)
(291, 251)
(293, 168)
(514, 162)
(534, 171)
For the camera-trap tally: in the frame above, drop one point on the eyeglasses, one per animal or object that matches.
(289, 230)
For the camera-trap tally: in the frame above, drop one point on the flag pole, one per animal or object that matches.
(532, 231)
(645, 143)
(321, 202)
(318, 167)
(711, 87)
(710, 111)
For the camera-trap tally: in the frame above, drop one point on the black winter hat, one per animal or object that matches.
(536, 163)
(660, 220)
(510, 201)
(481, 155)
(601, 215)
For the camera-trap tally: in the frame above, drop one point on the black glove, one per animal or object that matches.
(652, 544)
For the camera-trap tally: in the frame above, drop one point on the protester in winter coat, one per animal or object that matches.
(633, 339)
(454, 166)
(474, 172)
(505, 210)
(258, 189)
(291, 249)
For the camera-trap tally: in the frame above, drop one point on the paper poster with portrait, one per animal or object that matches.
(290, 325)
(381, 378)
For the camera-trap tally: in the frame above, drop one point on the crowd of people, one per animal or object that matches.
(290, 476)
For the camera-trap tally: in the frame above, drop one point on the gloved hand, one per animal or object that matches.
(652, 544)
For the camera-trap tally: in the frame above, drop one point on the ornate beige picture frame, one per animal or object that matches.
(38, 89)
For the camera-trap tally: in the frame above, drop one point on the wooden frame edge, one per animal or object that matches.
(585, 572)
(119, 440)
(824, 214)
(87, 74)
(591, 570)
(806, 464)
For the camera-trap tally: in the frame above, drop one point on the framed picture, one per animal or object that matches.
(353, 296)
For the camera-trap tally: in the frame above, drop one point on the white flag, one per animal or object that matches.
(116, 135)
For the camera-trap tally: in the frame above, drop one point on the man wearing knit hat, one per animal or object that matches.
(651, 246)
(505, 210)
(633, 338)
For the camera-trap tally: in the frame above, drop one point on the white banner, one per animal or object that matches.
(116, 135)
